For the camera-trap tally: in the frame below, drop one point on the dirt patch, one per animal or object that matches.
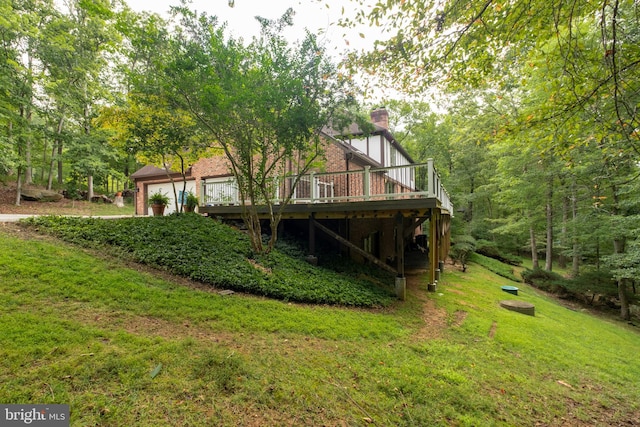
(459, 317)
(140, 325)
(435, 322)
(260, 267)
(493, 329)
(434, 318)
(467, 304)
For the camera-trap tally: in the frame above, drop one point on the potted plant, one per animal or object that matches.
(158, 202)
(192, 202)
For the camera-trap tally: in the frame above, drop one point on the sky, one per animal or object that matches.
(318, 16)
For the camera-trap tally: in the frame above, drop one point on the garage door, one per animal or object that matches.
(167, 190)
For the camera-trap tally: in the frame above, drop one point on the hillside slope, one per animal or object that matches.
(124, 347)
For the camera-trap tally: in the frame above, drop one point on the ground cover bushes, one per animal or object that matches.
(494, 265)
(593, 287)
(213, 253)
(490, 249)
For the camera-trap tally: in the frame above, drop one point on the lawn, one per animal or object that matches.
(123, 346)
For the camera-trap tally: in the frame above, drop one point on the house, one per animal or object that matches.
(371, 198)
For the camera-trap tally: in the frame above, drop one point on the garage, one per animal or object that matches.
(166, 188)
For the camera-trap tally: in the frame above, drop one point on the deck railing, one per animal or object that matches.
(388, 183)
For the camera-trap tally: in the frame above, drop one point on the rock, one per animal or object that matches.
(36, 195)
(101, 198)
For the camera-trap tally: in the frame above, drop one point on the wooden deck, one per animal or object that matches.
(338, 210)
(405, 196)
(367, 192)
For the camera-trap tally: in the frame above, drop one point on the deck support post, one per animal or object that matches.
(433, 249)
(401, 281)
(401, 288)
(312, 235)
(311, 256)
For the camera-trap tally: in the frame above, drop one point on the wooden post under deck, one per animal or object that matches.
(433, 248)
(400, 244)
(401, 281)
(312, 236)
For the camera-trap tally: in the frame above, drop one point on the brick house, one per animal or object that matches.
(371, 197)
(379, 149)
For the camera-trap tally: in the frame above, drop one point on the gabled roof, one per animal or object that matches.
(150, 171)
(354, 130)
(351, 151)
(147, 171)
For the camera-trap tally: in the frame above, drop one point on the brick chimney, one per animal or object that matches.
(380, 117)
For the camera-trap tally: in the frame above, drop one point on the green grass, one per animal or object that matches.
(99, 209)
(123, 347)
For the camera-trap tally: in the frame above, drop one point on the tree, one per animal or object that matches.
(264, 104)
(22, 22)
(424, 133)
(76, 53)
(462, 246)
(158, 134)
(468, 43)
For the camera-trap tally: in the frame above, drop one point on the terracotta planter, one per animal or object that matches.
(158, 210)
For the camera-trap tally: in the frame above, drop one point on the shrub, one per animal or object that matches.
(491, 250)
(595, 281)
(546, 280)
(495, 266)
(462, 247)
(72, 190)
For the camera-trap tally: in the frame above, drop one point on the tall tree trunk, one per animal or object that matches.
(534, 248)
(468, 215)
(45, 147)
(57, 143)
(87, 132)
(90, 187)
(562, 259)
(60, 161)
(575, 266)
(548, 265)
(19, 172)
(625, 314)
(619, 244)
(19, 186)
(51, 165)
(28, 170)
